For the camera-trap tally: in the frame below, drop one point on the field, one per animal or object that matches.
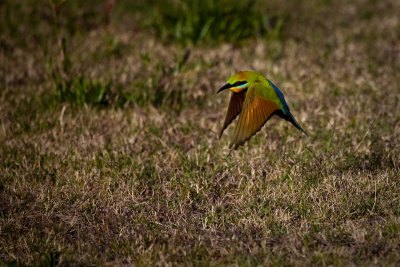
(109, 116)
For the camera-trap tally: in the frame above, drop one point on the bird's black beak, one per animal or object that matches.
(226, 86)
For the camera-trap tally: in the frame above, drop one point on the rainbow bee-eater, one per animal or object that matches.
(256, 99)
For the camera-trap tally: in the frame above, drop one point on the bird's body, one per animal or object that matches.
(256, 99)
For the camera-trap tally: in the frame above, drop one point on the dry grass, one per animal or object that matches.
(145, 180)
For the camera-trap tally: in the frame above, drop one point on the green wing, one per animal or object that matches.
(259, 105)
(287, 115)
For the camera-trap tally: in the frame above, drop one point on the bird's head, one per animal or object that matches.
(240, 81)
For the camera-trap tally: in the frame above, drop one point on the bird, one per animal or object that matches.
(256, 99)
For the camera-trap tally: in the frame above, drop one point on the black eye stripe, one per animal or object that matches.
(239, 83)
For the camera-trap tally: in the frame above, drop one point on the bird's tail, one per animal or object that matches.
(293, 121)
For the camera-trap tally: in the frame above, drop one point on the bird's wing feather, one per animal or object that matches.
(234, 108)
(257, 109)
(287, 115)
(281, 97)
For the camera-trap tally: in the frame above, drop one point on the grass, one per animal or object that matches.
(209, 21)
(109, 150)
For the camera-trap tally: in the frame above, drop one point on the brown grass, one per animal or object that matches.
(150, 184)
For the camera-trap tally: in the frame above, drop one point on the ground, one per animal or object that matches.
(109, 149)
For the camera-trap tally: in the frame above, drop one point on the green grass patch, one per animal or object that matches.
(196, 21)
(81, 90)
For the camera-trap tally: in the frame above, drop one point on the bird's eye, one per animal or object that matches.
(239, 83)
